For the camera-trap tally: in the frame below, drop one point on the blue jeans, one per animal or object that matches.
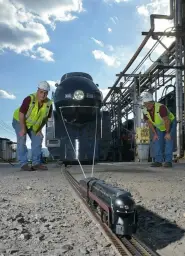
(22, 151)
(164, 148)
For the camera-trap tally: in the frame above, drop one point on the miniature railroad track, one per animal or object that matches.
(124, 247)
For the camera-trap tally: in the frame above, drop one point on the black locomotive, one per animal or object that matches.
(77, 118)
(117, 208)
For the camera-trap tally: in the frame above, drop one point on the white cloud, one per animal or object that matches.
(109, 30)
(49, 11)
(156, 7)
(100, 43)
(6, 95)
(110, 61)
(110, 48)
(119, 56)
(22, 24)
(143, 10)
(44, 54)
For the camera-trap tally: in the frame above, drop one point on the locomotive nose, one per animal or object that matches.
(78, 114)
(125, 203)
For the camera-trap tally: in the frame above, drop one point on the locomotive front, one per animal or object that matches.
(77, 97)
(125, 214)
(123, 208)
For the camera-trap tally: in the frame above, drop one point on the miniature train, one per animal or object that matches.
(77, 116)
(117, 208)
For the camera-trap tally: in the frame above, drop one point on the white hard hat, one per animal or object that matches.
(147, 97)
(44, 86)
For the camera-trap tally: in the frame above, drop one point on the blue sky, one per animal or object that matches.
(42, 41)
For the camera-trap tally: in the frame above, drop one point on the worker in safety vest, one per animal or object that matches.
(163, 126)
(29, 119)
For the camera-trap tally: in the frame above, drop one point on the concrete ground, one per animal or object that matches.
(41, 216)
(160, 196)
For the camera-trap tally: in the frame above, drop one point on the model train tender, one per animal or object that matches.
(117, 208)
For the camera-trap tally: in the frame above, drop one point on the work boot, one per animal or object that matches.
(167, 164)
(26, 167)
(39, 167)
(156, 164)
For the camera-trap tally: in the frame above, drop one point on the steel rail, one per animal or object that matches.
(123, 246)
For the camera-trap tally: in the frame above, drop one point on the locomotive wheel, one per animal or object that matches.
(128, 237)
(104, 217)
(92, 204)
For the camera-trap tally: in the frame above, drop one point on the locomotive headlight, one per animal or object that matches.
(118, 202)
(121, 204)
(79, 95)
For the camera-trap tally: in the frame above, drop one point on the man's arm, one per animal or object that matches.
(22, 112)
(22, 121)
(164, 114)
(167, 124)
(149, 124)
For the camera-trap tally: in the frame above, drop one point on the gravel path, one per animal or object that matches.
(41, 216)
(159, 194)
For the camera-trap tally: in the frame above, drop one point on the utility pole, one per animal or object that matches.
(179, 85)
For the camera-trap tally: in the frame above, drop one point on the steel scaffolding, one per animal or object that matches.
(167, 70)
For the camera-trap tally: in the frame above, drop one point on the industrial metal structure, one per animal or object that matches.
(167, 71)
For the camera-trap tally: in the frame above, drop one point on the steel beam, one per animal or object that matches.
(144, 75)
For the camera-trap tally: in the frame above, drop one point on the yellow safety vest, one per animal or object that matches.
(158, 120)
(35, 116)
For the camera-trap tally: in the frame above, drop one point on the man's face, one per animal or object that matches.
(148, 105)
(42, 95)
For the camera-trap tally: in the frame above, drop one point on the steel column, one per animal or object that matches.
(179, 85)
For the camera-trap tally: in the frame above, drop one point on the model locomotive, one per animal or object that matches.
(77, 118)
(117, 208)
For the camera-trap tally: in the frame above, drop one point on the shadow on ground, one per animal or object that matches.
(155, 231)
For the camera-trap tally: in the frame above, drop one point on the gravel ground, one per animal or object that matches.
(40, 215)
(159, 194)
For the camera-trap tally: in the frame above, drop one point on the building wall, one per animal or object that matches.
(6, 149)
